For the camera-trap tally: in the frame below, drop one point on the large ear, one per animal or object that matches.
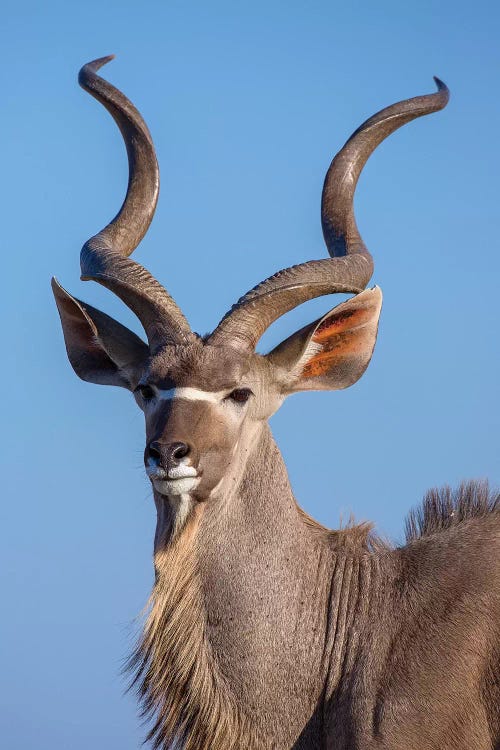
(99, 348)
(334, 351)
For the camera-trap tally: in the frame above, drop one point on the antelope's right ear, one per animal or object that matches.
(334, 351)
(100, 349)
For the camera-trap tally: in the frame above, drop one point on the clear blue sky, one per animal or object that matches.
(247, 103)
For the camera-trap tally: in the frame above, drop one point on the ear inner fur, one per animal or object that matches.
(343, 340)
(338, 338)
(342, 321)
(333, 357)
(334, 351)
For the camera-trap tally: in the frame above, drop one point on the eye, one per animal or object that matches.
(146, 392)
(240, 395)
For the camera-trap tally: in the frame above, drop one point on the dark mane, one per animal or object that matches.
(443, 508)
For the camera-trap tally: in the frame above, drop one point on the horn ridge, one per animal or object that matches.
(350, 266)
(132, 221)
(337, 213)
(104, 257)
(247, 320)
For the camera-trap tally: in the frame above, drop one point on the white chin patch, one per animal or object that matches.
(173, 487)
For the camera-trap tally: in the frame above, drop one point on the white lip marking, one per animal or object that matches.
(176, 472)
(171, 487)
(192, 394)
(181, 472)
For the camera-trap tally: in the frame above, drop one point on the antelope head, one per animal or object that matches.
(206, 399)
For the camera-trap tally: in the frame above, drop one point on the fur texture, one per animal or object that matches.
(369, 629)
(176, 675)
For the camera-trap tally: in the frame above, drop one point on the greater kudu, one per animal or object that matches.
(265, 629)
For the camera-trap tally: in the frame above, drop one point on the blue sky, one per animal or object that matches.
(247, 103)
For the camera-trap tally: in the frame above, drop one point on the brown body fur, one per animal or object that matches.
(352, 645)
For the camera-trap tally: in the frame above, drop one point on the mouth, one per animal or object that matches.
(180, 486)
(179, 480)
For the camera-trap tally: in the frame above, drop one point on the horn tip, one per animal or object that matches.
(442, 89)
(92, 67)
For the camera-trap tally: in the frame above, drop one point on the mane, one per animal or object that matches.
(351, 534)
(183, 694)
(443, 508)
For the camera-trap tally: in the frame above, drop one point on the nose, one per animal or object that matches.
(166, 455)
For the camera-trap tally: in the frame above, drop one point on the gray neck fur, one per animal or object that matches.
(276, 603)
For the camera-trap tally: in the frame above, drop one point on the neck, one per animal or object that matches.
(250, 622)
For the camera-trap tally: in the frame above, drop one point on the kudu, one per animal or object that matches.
(265, 629)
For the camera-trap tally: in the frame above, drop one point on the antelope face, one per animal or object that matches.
(200, 404)
(204, 404)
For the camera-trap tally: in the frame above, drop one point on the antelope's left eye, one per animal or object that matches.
(240, 395)
(146, 392)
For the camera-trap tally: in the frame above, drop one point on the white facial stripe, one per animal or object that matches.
(226, 408)
(192, 394)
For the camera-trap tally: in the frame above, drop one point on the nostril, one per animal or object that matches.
(165, 455)
(179, 450)
(153, 453)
